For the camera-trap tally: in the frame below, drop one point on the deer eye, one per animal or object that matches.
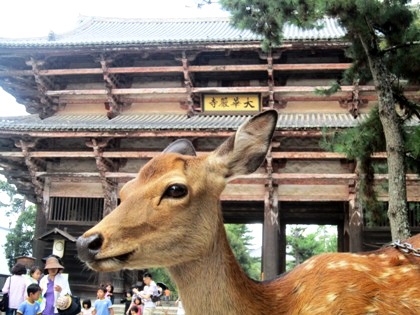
(175, 191)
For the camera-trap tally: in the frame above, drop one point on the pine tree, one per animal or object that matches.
(239, 240)
(384, 37)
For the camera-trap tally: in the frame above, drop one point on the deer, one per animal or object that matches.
(175, 198)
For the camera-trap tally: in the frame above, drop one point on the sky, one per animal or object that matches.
(37, 18)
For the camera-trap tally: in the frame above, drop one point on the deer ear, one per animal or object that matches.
(245, 151)
(181, 146)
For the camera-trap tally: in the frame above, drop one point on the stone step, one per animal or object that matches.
(160, 310)
(165, 310)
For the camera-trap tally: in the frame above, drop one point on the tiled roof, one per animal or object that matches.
(117, 31)
(162, 122)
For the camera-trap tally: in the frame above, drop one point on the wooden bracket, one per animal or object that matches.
(104, 166)
(353, 102)
(113, 105)
(43, 84)
(34, 165)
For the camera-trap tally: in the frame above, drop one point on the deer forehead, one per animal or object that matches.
(167, 162)
(169, 169)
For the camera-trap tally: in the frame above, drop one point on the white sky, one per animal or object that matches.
(35, 18)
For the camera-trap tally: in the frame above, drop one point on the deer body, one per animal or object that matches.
(175, 199)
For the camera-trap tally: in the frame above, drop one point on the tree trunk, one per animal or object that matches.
(392, 126)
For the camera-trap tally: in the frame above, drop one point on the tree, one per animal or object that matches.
(380, 33)
(19, 239)
(304, 245)
(239, 240)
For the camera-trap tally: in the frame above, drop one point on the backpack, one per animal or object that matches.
(4, 303)
(155, 298)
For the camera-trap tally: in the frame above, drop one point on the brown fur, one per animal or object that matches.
(186, 235)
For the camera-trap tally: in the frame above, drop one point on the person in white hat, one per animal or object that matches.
(53, 286)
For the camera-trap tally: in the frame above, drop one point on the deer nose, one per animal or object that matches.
(89, 247)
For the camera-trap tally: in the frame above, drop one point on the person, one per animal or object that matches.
(86, 307)
(30, 306)
(109, 294)
(180, 310)
(135, 310)
(15, 285)
(166, 295)
(136, 291)
(102, 305)
(127, 301)
(150, 289)
(138, 305)
(35, 274)
(53, 285)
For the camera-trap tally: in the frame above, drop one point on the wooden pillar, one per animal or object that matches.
(270, 250)
(355, 217)
(40, 229)
(355, 227)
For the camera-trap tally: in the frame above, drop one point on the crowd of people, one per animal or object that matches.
(33, 293)
(47, 292)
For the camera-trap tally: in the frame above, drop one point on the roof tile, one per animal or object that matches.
(147, 122)
(117, 31)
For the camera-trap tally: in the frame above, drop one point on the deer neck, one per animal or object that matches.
(214, 283)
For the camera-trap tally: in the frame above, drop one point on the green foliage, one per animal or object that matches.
(239, 240)
(267, 17)
(334, 88)
(161, 275)
(304, 245)
(412, 146)
(391, 28)
(359, 144)
(15, 204)
(19, 240)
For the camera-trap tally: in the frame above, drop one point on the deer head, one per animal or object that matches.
(170, 212)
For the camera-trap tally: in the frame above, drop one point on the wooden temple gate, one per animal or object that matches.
(112, 94)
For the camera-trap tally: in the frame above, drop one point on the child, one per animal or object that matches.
(30, 306)
(86, 307)
(135, 310)
(137, 304)
(109, 294)
(35, 274)
(102, 306)
(127, 301)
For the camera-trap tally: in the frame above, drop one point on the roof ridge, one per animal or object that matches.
(85, 18)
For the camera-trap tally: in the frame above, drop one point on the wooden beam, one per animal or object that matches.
(151, 154)
(242, 89)
(122, 134)
(168, 69)
(257, 177)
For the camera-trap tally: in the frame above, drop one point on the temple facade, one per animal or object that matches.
(113, 93)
